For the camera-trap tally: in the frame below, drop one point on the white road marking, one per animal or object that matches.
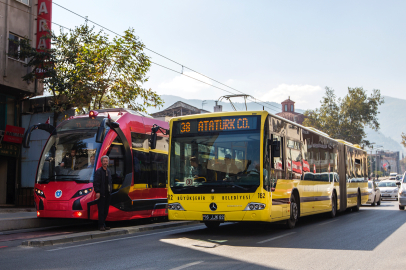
(111, 240)
(276, 237)
(186, 265)
(327, 222)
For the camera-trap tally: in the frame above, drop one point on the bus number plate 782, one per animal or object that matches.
(213, 217)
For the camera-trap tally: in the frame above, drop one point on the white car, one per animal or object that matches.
(402, 194)
(389, 189)
(374, 194)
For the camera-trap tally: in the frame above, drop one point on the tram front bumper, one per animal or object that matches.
(255, 215)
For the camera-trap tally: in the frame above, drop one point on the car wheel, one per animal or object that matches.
(380, 199)
(212, 224)
(396, 199)
(401, 207)
(333, 211)
(356, 208)
(294, 213)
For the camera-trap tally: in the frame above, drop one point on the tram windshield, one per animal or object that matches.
(215, 162)
(70, 153)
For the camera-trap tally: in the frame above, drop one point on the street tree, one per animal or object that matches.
(403, 139)
(346, 118)
(89, 70)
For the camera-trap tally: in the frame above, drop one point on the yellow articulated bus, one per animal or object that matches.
(255, 166)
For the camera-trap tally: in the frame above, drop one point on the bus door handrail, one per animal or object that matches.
(27, 135)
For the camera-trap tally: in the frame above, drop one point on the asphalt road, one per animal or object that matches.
(373, 238)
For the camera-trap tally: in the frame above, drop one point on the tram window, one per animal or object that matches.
(141, 167)
(159, 172)
(116, 164)
(140, 140)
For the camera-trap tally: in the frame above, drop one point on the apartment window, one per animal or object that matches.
(286, 108)
(27, 2)
(291, 108)
(14, 47)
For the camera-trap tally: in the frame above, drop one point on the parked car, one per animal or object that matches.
(374, 194)
(402, 193)
(389, 189)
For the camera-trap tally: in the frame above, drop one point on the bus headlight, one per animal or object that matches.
(254, 206)
(82, 192)
(39, 193)
(175, 206)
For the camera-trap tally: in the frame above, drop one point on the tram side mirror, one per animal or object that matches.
(101, 132)
(276, 148)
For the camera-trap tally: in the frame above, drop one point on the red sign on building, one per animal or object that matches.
(44, 24)
(13, 134)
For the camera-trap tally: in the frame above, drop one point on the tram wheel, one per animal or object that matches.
(294, 213)
(356, 208)
(333, 211)
(212, 224)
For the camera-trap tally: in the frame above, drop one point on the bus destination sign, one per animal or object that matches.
(222, 124)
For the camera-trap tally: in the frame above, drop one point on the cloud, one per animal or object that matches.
(305, 96)
(186, 87)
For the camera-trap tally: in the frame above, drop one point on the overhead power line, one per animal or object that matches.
(107, 29)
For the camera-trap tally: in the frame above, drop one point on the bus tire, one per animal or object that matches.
(294, 213)
(333, 211)
(356, 208)
(212, 224)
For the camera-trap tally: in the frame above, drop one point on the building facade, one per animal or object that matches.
(179, 108)
(17, 21)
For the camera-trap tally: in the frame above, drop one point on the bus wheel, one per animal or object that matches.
(333, 211)
(294, 213)
(212, 224)
(356, 208)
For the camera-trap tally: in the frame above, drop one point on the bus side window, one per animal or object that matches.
(142, 168)
(116, 165)
(159, 172)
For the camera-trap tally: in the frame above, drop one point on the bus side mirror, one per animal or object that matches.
(276, 148)
(101, 132)
(153, 140)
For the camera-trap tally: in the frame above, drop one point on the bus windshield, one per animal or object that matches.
(215, 163)
(70, 154)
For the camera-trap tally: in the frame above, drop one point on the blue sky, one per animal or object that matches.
(269, 49)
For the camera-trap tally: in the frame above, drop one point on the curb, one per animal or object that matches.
(29, 223)
(76, 237)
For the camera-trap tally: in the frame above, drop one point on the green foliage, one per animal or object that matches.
(346, 118)
(403, 139)
(88, 70)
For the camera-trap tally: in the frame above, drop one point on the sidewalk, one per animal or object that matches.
(18, 220)
(83, 236)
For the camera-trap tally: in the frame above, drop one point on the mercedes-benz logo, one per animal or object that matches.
(212, 190)
(213, 207)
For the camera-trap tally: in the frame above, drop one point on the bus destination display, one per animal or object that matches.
(223, 124)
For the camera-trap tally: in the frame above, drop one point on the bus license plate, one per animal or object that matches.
(213, 217)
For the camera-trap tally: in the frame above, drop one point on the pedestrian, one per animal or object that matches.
(102, 185)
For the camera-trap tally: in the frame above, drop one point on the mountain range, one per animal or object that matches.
(391, 119)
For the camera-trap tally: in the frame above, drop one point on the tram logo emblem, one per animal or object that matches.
(213, 207)
(58, 194)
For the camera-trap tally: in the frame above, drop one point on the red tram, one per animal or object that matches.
(63, 185)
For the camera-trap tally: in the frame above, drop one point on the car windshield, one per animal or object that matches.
(228, 162)
(387, 184)
(70, 154)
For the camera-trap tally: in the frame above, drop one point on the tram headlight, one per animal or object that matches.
(254, 206)
(82, 192)
(175, 206)
(39, 193)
